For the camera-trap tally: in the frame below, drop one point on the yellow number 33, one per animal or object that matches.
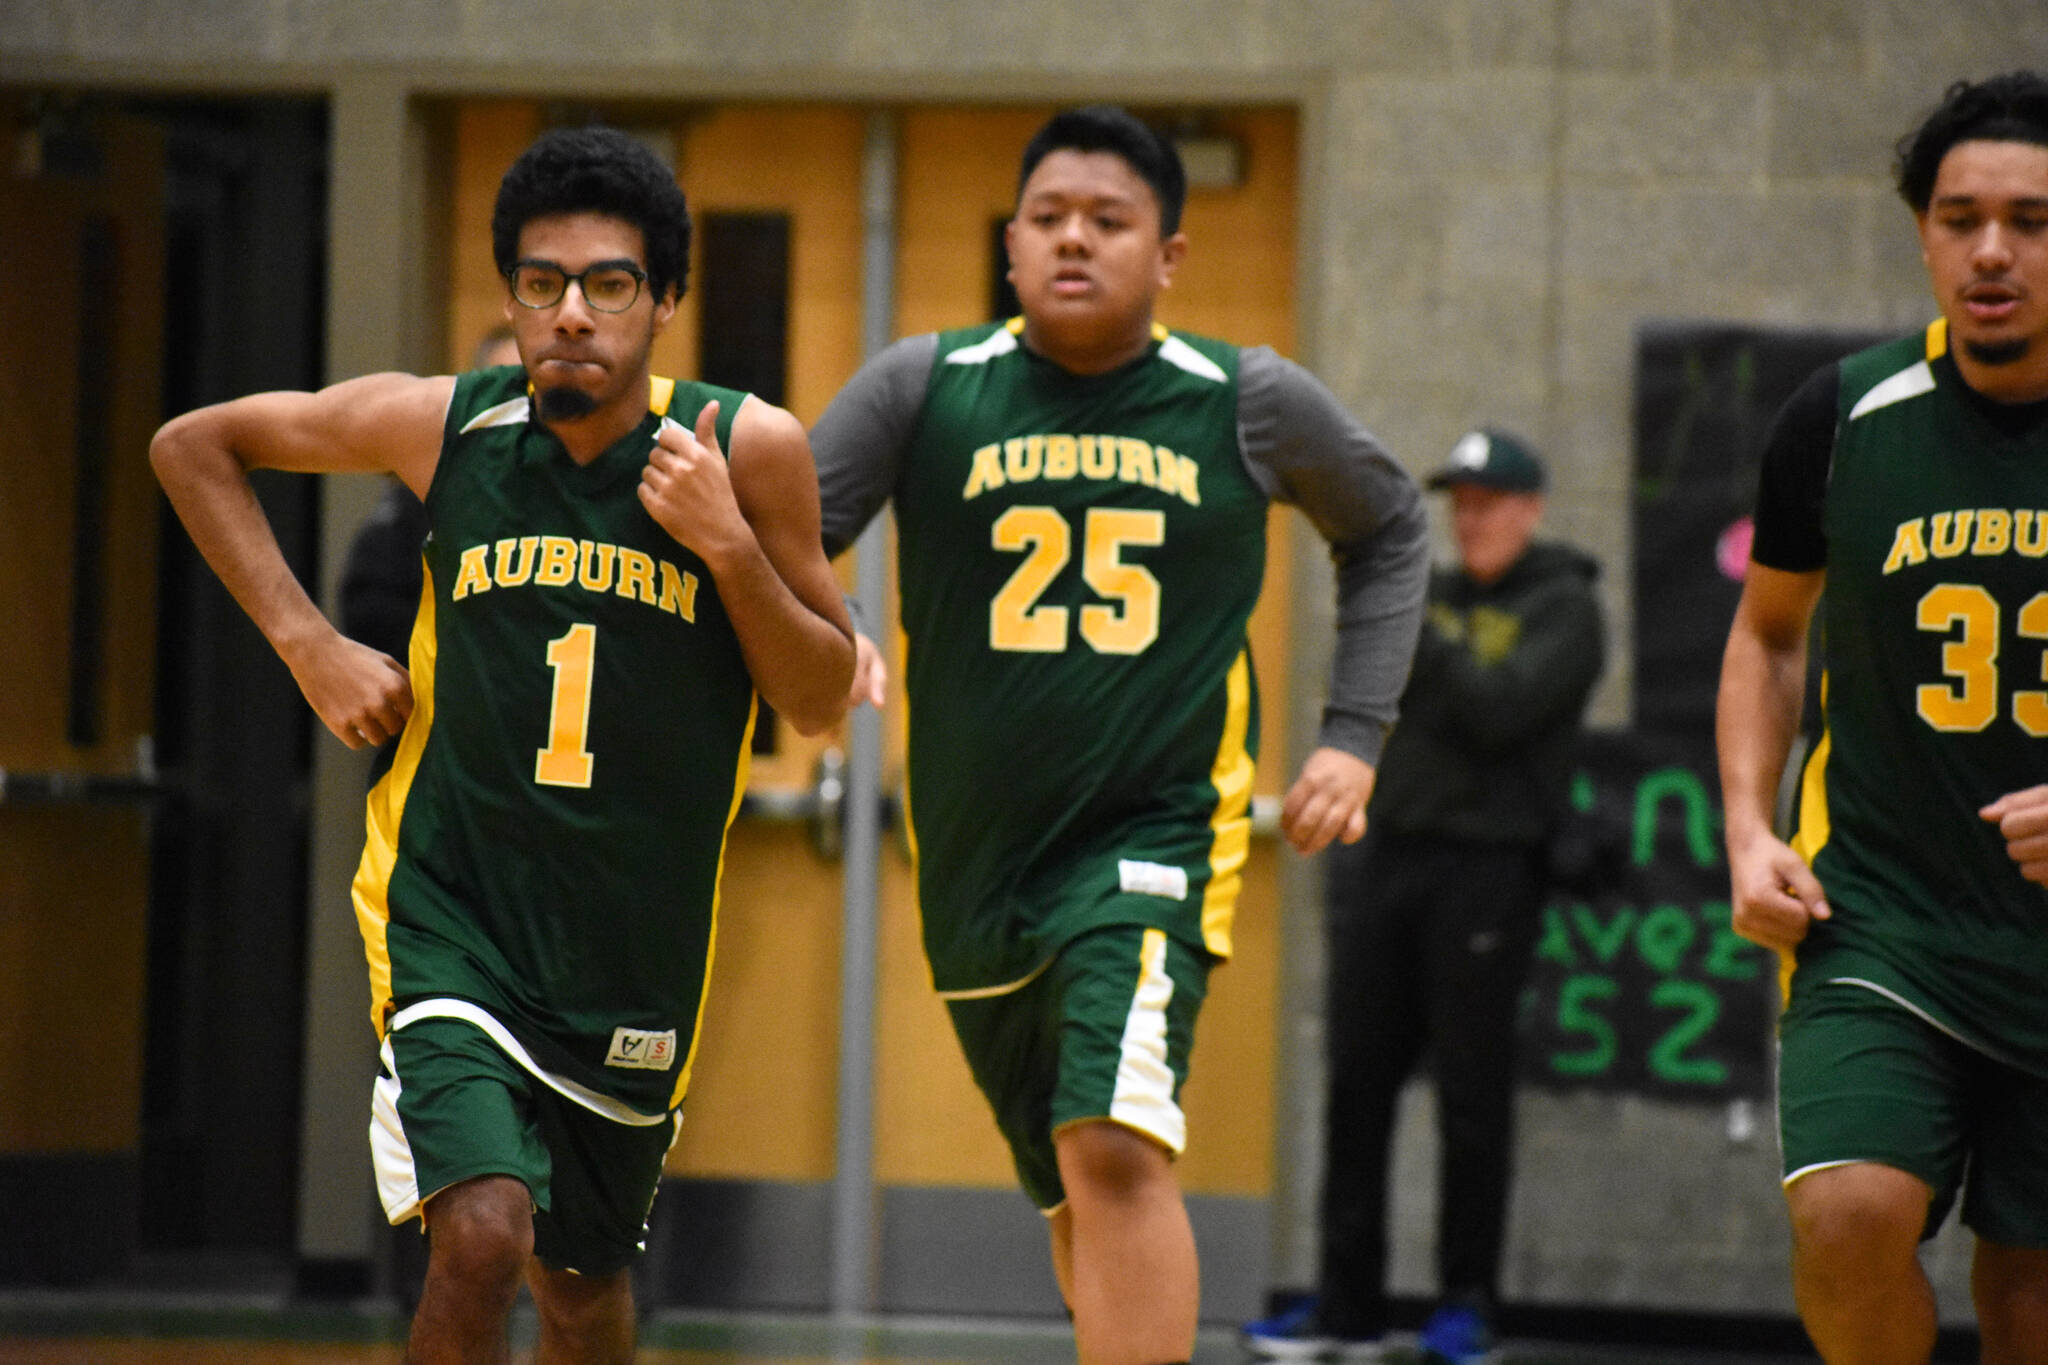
(1971, 702)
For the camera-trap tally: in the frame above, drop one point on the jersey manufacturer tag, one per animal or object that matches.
(637, 1049)
(1153, 879)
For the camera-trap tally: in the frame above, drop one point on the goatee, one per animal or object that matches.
(564, 405)
(2009, 352)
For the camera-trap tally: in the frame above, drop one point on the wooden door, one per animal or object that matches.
(81, 315)
(762, 1099)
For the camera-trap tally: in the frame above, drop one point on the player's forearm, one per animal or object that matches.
(805, 671)
(1380, 592)
(1756, 717)
(801, 661)
(210, 490)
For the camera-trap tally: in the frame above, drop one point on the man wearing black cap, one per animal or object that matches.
(1434, 916)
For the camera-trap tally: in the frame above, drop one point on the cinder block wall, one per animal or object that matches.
(1499, 192)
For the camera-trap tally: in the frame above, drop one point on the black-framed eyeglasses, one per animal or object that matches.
(608, 286)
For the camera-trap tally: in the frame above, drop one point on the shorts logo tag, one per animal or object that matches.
(637, 1049)
(1152, 879)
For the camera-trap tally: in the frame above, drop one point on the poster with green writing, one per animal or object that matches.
(1638, 982)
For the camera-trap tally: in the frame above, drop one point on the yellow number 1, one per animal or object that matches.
(566, 762)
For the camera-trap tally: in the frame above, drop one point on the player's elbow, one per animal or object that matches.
(184, 449)
(821, 701)
(170, 449)
(814, 716)
(814, 722)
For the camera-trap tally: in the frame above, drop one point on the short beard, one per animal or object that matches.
(1994, 353)
(564, 405)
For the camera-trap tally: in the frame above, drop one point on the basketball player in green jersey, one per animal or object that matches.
(607, 591)
(1911, 482)
(1081, 500)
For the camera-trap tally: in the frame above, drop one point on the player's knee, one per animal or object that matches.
(481, 1233)
(1101, 1159)
(1848, 1218)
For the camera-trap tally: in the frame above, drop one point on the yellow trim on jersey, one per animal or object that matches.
(909, 823)
(902, 662)
(660, 392)
(386, 808)
(991, 992)
(739, 792)
(1814, 828)
(1230, 824)
(1937, 338)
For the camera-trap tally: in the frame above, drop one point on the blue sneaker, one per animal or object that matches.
(1294, 1334)
(1456, 1334)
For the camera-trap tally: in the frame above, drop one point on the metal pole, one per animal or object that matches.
(854, 1240)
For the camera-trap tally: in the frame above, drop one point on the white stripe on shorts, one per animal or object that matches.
(398, 1180)
(604, 1106)
(1144, 1080)
(391, 1152)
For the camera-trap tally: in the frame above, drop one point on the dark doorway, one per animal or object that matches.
(743, 327)
(245, 263)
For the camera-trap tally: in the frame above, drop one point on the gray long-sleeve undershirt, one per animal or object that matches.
(1298, 443)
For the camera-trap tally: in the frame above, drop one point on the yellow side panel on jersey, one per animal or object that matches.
(739, 791)
(1813, 830)
(1230, 825)
(907, 813)
(372, 885)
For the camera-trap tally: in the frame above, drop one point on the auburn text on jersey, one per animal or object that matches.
(558, 561)
(1978, 531)
(1122, 459)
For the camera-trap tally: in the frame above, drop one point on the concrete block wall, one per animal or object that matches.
(1506, 186)
(1498, 193)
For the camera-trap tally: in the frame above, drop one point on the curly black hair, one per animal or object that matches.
(596, 169)
(2008, 108)
(1107, 128)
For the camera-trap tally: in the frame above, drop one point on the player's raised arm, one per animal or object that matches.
(203, 458)
(754, 522)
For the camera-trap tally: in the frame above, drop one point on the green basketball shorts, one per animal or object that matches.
(1103, 1031)
(1862, 1077)
(450, 1105)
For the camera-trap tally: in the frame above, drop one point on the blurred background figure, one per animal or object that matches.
(380, 582)
(1433, 917)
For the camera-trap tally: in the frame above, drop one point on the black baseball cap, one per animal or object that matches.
(1491, 459)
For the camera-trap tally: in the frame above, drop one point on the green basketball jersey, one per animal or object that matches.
(545, 851)
(1078, 556)
(1935, 623)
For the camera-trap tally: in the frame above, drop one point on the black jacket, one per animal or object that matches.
(1484, 746)
(382, 577)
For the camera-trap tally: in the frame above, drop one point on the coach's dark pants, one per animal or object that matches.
(1430, 941)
